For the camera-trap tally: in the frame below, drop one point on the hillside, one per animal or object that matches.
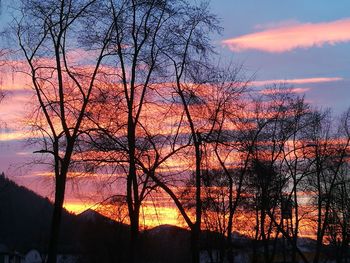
(25, 218)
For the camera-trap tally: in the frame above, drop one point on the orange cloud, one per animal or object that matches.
(16, 135)
(283, 38)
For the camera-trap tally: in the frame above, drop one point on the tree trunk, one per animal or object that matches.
(296, 230)
(263, 236)
(255, 241)
(134, 238)
(197, 225)
(230, 257)
(56, 219)
(132, 191)
(195, 245)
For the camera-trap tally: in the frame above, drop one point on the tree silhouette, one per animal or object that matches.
(151, 42)
(47, 32)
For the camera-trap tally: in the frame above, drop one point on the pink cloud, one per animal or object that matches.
(293, 90)
(260, 83)
(300, 90)
(286, 37)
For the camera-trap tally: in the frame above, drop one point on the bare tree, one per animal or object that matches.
(338, 228)
(48, 33)
(296, 166)
(151, 41)
(337, 231)
(341, 200)
(201, 103)
(328, 154)
(3, 55)
(277, 113)
(233, 149)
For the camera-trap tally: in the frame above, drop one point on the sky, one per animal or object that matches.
(291, 40)
(303, 43)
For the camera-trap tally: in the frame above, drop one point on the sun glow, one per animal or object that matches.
(76, 207)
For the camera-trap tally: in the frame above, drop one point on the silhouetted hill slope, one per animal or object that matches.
(91, 216)
(166, 243)
(101, 238)
(25, 218)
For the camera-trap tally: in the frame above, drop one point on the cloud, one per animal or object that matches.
(289, 36)
(260, 83)
(14, 136)
(294, 90)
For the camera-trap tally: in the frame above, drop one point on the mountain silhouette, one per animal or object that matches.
(25, 219)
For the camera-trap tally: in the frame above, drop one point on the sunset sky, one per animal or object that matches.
(302, 43)
(297, 41)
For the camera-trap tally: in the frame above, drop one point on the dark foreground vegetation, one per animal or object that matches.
(92, 238)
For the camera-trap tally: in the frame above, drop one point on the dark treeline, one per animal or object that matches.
(130, 87)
